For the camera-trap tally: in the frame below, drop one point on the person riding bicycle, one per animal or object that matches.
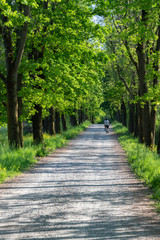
(106, 124)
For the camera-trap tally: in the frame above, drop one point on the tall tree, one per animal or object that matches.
(14, 39)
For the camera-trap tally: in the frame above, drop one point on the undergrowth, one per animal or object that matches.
(144, 162)
(14, 161)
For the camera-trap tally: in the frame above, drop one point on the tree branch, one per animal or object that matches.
(116, 26)
(22, 39)
(6, 34)
(130, 55)
(127, 47)
(123, 80)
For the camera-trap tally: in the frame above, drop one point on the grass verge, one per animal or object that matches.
(14, 161)
(144, 162)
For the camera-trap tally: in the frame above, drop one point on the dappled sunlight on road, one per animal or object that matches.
(83, 191)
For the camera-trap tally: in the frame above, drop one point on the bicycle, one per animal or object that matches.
(106, 128)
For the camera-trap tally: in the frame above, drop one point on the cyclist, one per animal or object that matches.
(106, 125)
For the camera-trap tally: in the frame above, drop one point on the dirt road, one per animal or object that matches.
(83, 191)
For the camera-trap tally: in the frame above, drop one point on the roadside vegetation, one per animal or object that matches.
(14, 161)
(143, 161)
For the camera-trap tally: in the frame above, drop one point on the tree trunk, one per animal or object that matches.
(119, 116)
(85, 115)
(136, 128)
(143, 89)
(158, 147)
(52, 122)
(73, 119)
(12, 109)
(115, 115)
(37, 125)
(80, 116)
(13, 60)
(123, 114)
(20, 111)
(153, 124)
(131, 124)
(49, 123)
(140, 124)
(146, 124)
(45, 123)
(57, 122)
(155, 82)
(64, 125)
(92, 119)
(143, 85)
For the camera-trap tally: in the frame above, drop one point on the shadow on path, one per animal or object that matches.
(84, 191)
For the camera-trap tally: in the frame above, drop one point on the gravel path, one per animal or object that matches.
(83, 191)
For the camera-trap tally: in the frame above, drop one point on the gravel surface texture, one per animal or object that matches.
(83, 191)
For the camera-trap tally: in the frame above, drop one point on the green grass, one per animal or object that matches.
(14, 161)
(144, 162)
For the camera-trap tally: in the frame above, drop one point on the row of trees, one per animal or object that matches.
(50, 65)
(132, 74)
(53, 58)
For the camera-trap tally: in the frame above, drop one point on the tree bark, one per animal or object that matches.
(136, 128)
(123, 114)
(140, 124)
(20, 111)
(57, 122)
(92, 119)
(131, 124)
(153, 124)
(12, 109)
(12, 64)
(80, 116)
(45, 123)
(144, 115)
(49, 123)
(85, 116)
(158, 147)
(52, 122)
(155, 82)
(64, 125)
(143, 89)
(119, 116)
(37, 125)
(73, 119)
